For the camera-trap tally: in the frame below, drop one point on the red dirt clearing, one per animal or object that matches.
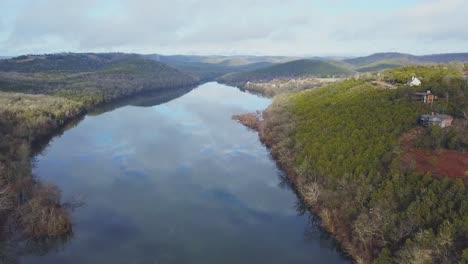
(440, 162)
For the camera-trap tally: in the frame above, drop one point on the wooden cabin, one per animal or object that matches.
(427, 97)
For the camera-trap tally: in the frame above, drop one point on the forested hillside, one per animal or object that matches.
(378, 57)
(381, 61)
(62, 62)
(88, 78)
(339, 145)
(293, 69)
(208, 68)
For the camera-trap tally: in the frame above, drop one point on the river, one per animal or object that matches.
(177, 181)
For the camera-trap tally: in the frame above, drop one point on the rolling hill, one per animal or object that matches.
(63, 62)
(340, 147)
(381, 61)
(88, 78)
(293, 69)
(379, 57)
(208, 68)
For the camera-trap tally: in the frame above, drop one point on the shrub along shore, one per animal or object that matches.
(49, 100)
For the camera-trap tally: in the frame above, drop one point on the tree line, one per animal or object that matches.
(340, 146)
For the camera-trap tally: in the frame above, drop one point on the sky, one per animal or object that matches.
(235, 27)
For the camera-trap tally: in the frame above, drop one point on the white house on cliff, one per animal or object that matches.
(414, 82)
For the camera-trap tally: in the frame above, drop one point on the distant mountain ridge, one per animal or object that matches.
(64, 62)
(213, 67)
(208, 68)
(293, 69)
(407, 58)
(89, 78)
(220, 59)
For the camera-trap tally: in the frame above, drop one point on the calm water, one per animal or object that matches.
(177, 182)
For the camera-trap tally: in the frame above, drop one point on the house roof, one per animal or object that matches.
(437, 117)
(428, 92)
(420, 94)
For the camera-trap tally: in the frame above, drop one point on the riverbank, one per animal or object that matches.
(308, 194)
(180, 178)
(30, 207)
(41, 97)
(28, 122)
(339, 146)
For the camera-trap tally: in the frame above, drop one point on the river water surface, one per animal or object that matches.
(177, 182)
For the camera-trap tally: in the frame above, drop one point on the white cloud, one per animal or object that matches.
(222, 27)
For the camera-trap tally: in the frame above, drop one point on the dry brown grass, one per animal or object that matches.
(43, 215)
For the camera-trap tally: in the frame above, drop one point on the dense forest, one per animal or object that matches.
(339, 145)
(89, 78)
(62, 62)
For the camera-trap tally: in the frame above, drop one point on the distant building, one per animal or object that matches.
(436, 120)
(414, 82)
(426, 97)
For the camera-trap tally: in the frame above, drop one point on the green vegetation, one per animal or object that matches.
(340, 146)
(443, 81)
(208, 68)
(108, 77)
(378, 67)
(406, 59)
(393, 57)
(293, 69)
(210, 71)
(304, 68)
(339, 143)
(455, 138)
(425, 73)
(62, 62)
(388, 120)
